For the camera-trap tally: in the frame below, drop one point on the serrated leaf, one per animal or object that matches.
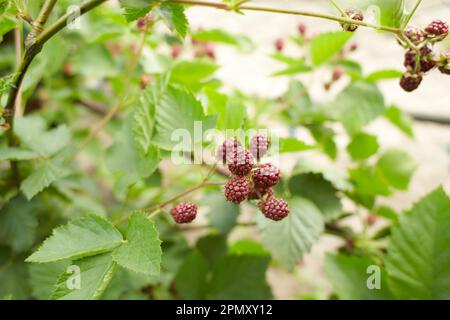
(82, 237)
(369, 180)
(350, 278)
(400, 119)
(418, 260)
(32, 131)
(143, 123)
(397, 167)
(362, 146)
(13, 278)
(191, 278)
(240, 277)
(190, 73)
(142, 251)
(134, 9)
(357, 105)
(18, 224)
(95, 273)
(43, 277)
(222, 214)
(177, 116)
(174, 17)
(11, 153)
(325, 45)
(291, 238)
(42, 177)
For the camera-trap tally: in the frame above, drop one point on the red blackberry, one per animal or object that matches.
(410, 82)
(227, 148)
(266, 176)
(415, 35)
(240, 162)
(275, 209)
(437, 29)
(259, 146)
(184, 212)
(258, 193)
(237, 189)
(279, 44)
(427, 61)
(353, 14)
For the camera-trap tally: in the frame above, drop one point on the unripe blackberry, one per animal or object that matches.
(302, 29)
(227, 148)
(259, 193)
(259, 145)
(275, 209)
(184, 212)
(437, 30)
(338, 72)
(354, 14)
(427, 61)
(410, 82)
(237, 189)
(279, 44)
(266, 176)
(415, 35)
(240, 162)
(444, 64)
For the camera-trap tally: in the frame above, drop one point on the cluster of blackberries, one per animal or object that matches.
(423, 59)
(252, 181)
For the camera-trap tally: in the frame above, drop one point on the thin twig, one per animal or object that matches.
(338, 7)
(411, 14)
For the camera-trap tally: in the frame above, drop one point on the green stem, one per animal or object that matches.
(39, 23)
(338, 7)
(411, 14)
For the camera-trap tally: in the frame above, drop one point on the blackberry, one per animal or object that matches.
(426, 59)
(410, 82)
(228, 147)
(275, 209)
(437, 30)
(415, 35)
(184, 212)
(240, 162)
(354, 14)
(237, 189)
(259, 146)
(266, 176)
(259, 193)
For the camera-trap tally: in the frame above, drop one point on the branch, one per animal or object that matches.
(411, 14)
(38, 25)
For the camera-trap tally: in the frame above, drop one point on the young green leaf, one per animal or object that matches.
(418, 260)
(174, 17)
(363, 146)
(292, 237)
(11, 153)
(398, 167)
(400, 119)
(142, 251)
(82, 237)
(135, 9)
(324, 46)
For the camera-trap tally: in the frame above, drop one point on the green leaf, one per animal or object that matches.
(220, 36)
(7, 24)
(11, 153)
(321, 192)
(418, 260)
(174, 17)
(231, 112)
(43, 277)
(18, 224)
(397, 167)
(222, 214)
(357, 105)
(95, 273)
(384, 75)
(82, 237)
(135, 9)
(191, 278)
(400, 119)
(179, 119)
(143, 123)
(240, 277)
(363, 146)
(42, 177)
(95, 61)
(292, 237)
(350, 276)
(324, 46)
(300, 67)
(13, 277)
(288, 145)
(4, 4)
(32, 131)
(192, 72)
(212, 247)
(386, 212)
(370, 181)
(142, 251)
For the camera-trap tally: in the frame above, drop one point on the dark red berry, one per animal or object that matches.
(275, 209)
(266, 176)
(237, 189)
(353, 14)
(259, 193)
(240, 162)
(227, 148)
(415, 35)
(184, 212)
(437, 29)
(259, 145)
(302, 29)
(410, 82)
(353, 47)
(338, 72)
(279, 44)
(427, 61)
